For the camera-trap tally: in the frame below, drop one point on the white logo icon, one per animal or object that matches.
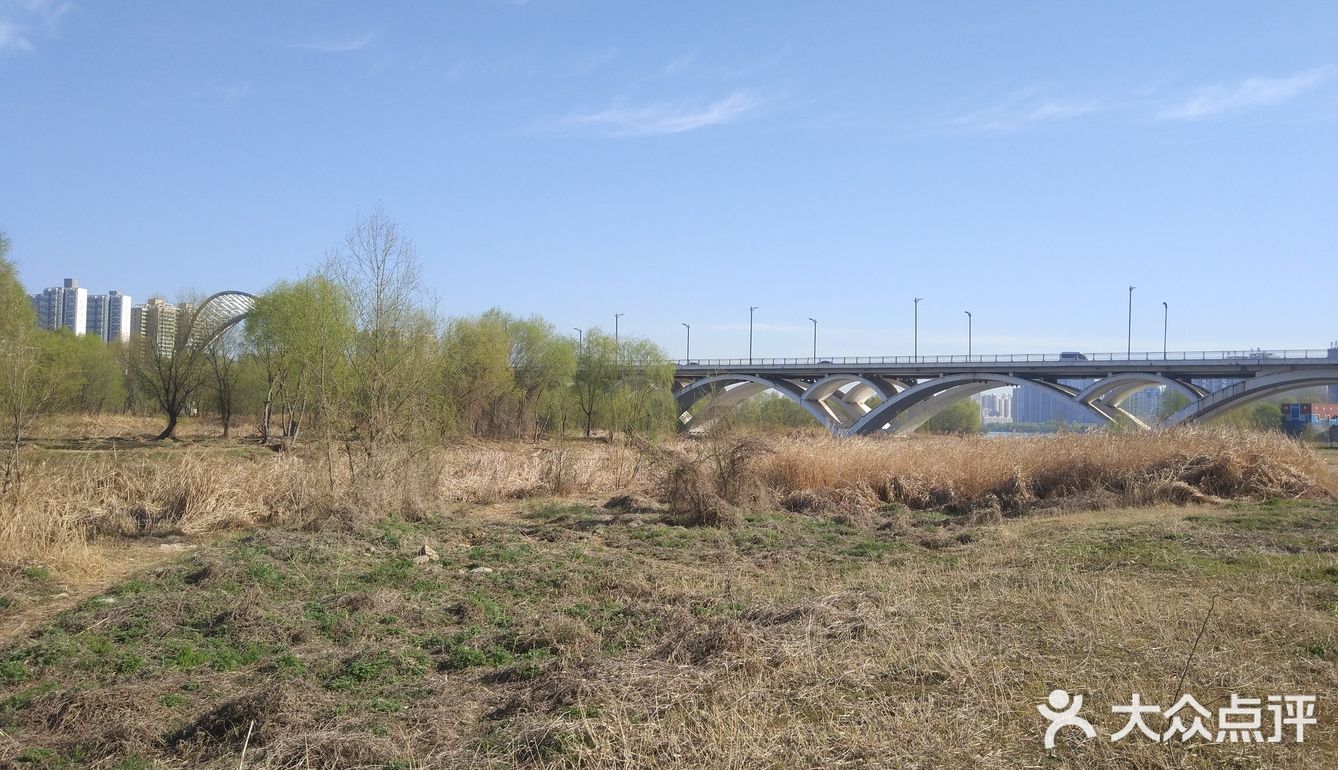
(1063, 712)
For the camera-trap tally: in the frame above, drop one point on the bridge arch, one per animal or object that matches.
(1117, 387)
(913, 407)
(1247, 391)
(733, 389)
(827, 395)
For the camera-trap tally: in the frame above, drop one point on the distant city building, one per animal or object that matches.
(1144, 404)
(109, 316)
(185, 314)
(1212, 385)
(97, 316)
(995, 406)
(1309, 419)
(155, 323)
(63, 307)
(1333, 389)
(1031, 404)
(118, 316)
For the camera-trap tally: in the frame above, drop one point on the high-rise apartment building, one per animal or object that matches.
(109, 316)
(1145, 404)
(63, 307)
(155, 323)
(996, 406)
(97, 316)
(1333, 389)
(1031, 403)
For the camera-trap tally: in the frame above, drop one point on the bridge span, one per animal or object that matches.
(897, 394)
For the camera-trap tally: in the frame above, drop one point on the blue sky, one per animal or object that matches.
(683, 161)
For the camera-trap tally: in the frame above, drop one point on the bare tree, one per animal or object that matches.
(222, 356)
(379, 272)
(172, 371)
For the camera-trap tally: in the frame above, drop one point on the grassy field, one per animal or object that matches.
(557, 634)
(552, 631)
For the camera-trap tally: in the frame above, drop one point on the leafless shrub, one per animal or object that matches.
(705, 482)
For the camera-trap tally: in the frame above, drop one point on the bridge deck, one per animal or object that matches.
(1180, 365)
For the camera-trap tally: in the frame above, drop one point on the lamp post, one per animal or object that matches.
(1129, 341)
(915, 333)
(815, 339)
(687, 349)
(580, 339)
(1165, 318)
(968, 334)
(616, 316)
(750, 333)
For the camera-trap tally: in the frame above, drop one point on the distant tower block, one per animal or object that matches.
(63, 307)
(1333, 389)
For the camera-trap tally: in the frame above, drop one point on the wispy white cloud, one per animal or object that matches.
(1257, 91)
(1032, 108)
(46, 11)
(22, 20)
(13, 37)
(1026, 109)
(679, 65)
(592, 61)
(660, 118)
(340, 45)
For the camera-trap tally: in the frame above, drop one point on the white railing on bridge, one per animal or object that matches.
(1222, 356)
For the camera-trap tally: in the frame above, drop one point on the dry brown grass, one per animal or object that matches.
(785, 643)
(963, 474)
(71, 497)
(922, 635)
(108, 425)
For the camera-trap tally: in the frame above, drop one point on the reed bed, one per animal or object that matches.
(69, 498)
(957, 473)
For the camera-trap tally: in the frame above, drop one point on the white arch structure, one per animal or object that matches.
(216, 314)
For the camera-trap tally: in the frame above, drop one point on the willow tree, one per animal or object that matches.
(30, 379)
(543, 364)
(642, 400)
(301, 335)
(597, 373)
(477, 381)
(499, 373)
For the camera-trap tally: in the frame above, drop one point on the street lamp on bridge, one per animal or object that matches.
(687, 349)
(616, 316)
(580, 339)
(1129, 341)
(750, 333)
(915, 332)
(968, 333)
(1165, 316)
(815, 338)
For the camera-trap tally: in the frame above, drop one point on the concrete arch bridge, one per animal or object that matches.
(897, 394)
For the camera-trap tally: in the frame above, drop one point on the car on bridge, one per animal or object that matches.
(1071, 355)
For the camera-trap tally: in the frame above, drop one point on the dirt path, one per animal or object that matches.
(115, 561)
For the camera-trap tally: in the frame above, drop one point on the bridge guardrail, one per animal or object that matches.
(1243, 356)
